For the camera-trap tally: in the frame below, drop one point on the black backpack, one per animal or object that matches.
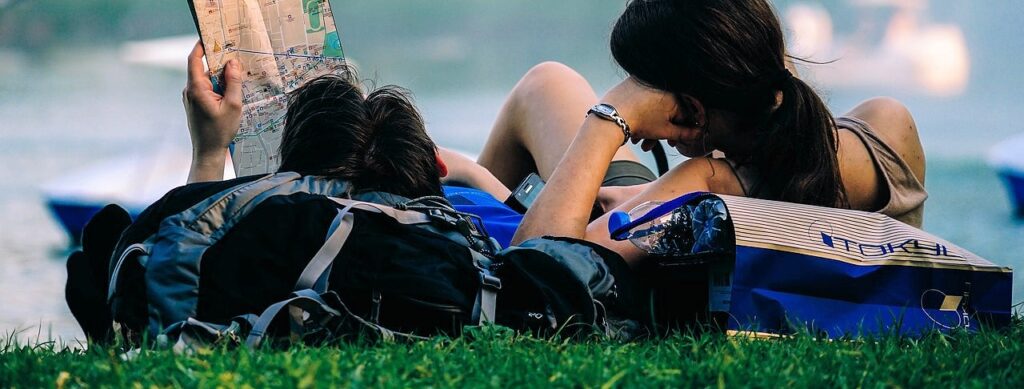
(285, 255)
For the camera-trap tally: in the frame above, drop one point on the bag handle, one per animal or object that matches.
(314, 276)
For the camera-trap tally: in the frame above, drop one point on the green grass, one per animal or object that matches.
(498, 358)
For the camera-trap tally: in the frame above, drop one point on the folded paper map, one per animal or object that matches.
(281, 44)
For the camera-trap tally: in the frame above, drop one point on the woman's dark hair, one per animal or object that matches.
(730, 56)
(376, 141)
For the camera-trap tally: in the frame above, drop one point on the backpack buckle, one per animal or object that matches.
(490, 281)
(443, 217)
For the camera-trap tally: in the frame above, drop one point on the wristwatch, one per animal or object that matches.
(608, 112)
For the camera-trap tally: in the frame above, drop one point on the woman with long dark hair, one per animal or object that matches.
(712, 75)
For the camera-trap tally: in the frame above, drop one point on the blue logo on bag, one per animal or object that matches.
(911, 246)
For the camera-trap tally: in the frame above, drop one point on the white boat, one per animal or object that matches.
(132, 181)
(166, 53)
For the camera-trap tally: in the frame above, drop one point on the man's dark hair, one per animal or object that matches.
(377, 141)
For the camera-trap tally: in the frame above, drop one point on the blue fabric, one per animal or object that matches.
(779, 291)
(499, 220)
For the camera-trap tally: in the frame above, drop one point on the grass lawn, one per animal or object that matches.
(497, 358)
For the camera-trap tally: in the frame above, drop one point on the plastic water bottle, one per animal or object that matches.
(668, 235)
(688, 229)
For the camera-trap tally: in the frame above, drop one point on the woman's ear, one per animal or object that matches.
(442, 168)
(695, 114)
(691, 121)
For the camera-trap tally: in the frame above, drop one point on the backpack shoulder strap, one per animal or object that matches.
(314, 276)
(401, 216)
(215, 216)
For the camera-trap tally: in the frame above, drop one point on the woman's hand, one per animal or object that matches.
(651, 114)
(213, 119)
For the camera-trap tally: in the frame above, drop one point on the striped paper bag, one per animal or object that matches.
(842, 272)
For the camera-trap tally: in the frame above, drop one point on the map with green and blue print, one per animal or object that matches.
(281, 45)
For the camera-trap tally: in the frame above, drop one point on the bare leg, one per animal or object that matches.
(538, 123)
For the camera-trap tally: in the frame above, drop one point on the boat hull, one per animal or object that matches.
(74, 215)
(1007, 159)
(1014, 181)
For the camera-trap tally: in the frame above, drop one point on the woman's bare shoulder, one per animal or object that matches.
(706, 173)
(894, 124)
(861, 179)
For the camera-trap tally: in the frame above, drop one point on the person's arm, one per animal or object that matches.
(611, 197)
(213, 119)
(563, 207)
(693, 175)
(463, 170)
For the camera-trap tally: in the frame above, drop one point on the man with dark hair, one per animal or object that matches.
(376, 141)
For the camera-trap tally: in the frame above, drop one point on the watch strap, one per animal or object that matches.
(599, 110)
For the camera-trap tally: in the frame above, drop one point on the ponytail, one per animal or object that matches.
(797, 153)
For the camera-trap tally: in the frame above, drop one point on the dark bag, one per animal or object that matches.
(230, 256)
(418, 268)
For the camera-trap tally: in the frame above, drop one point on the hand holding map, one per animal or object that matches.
(213, 116)
(280, 45)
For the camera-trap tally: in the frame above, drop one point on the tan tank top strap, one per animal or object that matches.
(906, 193)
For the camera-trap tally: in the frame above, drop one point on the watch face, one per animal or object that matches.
(604, 109)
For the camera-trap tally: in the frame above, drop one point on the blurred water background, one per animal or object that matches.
(68, 99)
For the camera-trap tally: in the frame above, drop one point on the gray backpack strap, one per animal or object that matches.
(194, 334)
(422, 217)
(486, 304)
(313, 303)
(314, 276)
(306, 300)
(140, 249)
(403, 217)
(485, 307)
